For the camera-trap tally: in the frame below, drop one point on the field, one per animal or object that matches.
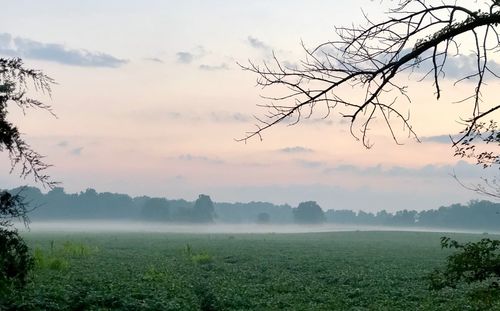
(313, 271)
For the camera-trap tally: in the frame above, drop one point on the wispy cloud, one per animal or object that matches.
(258, 44)
(195, 55)
(296, 149)
(77, 151)
(206, 67)
(191, 116)
(184, 57)
(54, 52)
(310, 164)
(440, 139)
(462, 65)
(187, 57)
(153, 59)
(227, 117)
(63, 144)
(431, 171)
(456, 66)
(196, 158)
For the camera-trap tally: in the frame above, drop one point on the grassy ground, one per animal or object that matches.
(317, 271)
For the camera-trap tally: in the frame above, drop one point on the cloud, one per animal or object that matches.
(184, 57)
(310, 164)
(296, 149)
(194, 158)
(63, 144)
(316, 121)
(227, 117)
(206, 67)
(179, 177)
(190, 116)
(27, 48)
(462, 65)
(187, 57)
(194, 55)
(258, 44)
(76, 151)
(461, 168)
(440, 139)
(153, 59)
(456, 66)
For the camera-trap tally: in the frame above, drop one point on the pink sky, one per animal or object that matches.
(157, 105)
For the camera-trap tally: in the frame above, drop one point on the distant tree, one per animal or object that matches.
(156, 209)
(263, 218)
(341, 216)
(203, 210)
(14, 79)
(383, 217)
(365, 218)
(404, 218)
(309, 213)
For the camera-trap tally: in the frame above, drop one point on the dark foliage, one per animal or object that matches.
(489, 134)
(263, 218)
(12, 206)
(309, 213)
(203, 210)
(156, 209)
(475, 262)
(15, 259)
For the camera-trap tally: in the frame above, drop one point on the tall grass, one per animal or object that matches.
(58, 257)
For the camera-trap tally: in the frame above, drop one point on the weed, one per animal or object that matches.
(51, 261)
(202, 258)
(152, 274)
(58, 257)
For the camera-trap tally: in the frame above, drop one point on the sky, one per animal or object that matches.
(150, 99)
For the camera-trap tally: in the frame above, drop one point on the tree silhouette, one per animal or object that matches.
(14, 80)
(370, 60)
(203, 210)
(309, 213)
(263, 218)
(156, 209)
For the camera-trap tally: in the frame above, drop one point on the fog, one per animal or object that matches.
(121, 226)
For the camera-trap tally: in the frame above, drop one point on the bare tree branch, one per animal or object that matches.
(371, 59)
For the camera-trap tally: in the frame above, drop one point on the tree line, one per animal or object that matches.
(92, 205)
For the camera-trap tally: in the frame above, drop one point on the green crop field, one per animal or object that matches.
(314, 271)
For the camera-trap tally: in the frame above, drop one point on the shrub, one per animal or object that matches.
(475, 263)
(15, 259)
